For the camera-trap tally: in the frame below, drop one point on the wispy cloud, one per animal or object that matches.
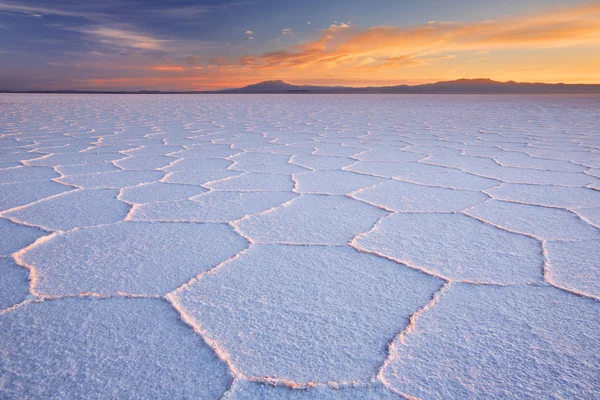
(191, 11)
(124, 38)
(166, 68)
(40, 11)
(183, 12)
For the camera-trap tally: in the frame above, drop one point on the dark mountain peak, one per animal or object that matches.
(463, 81)
(274, 85)
(274, 82)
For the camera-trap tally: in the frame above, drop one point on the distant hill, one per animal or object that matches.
(451, 87)
(459, 86)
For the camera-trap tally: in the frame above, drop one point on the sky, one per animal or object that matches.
(208, 45)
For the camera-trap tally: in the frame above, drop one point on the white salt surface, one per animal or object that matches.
(299, 247)
(106, 349)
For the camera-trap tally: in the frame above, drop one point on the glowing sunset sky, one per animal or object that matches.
(195, 45)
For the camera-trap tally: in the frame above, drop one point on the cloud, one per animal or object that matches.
(337, 26)
(40, 11)
(287, 32)
(343, 45)
(192, 60)
(166, 68)
(478, 59)
(183, 12)
(220, 61)
(124, 38)
(191, 11)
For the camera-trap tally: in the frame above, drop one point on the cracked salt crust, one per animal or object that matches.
(299, 247)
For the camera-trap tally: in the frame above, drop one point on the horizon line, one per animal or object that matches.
(482, 82)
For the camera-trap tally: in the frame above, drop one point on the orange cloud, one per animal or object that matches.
(169, 68)
(344, 46)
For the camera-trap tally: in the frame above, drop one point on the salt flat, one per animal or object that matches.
(299, 247)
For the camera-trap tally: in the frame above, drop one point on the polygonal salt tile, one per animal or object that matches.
(312, 219)
(290, 150)
(135, 140)
(333, 182)
(270, 168)
(553, 196)
(541, 222)
(215, 206)
(486, 342)
(532, 176)
(457, 247)
(321, 163)
(451, 179)
(19, 194)
(198, 164)
(131, 257)
(305, 313)
(575, 265)
(244, 159)
(66, 146)
(562, 153)
(255, 182)
(153, 150)
(61, 148)
(463, 162)
(199, 177)
(386, 155)
(211, 151)
(16, 236)
(595, 172)
(123, 148)
(76, 158)
(74, 209)
(14, 284)
(336, 150)
(113, 180)
(106, 349)
(588, 163)
(391, 170)
(24, 174)
(400, 196)
(14, 159)
(521, 160)
(245, 390)
(590, 215)
(86, 169)
(145, 162)
(10, 164)
(159, 191)
(433, 150)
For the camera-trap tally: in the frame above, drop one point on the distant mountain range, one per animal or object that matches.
(460, 86)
